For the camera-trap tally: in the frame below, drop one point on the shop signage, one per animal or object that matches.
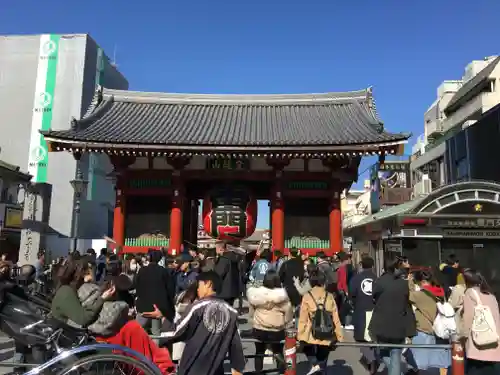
(394, 166)
(467, 222)
(228, 164)
(472, 233)
(13, 218)
(395, 247)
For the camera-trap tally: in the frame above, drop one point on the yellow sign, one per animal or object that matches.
(13, 218)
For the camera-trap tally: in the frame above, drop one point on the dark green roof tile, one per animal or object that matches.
(125, 117)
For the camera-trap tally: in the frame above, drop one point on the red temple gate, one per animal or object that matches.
(285, 148)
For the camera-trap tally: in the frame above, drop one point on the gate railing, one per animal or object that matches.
(290, 353)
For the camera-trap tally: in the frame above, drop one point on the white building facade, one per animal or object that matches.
(45, 81)
(459, 104)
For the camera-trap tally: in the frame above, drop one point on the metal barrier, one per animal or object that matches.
(290, 352)
(457, 351)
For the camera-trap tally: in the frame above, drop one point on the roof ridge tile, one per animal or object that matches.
(233, 99)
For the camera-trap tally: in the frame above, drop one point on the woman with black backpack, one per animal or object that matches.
(319, 324)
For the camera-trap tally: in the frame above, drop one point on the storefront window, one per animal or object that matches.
(462, 249)
(482, 255)
(421, 252)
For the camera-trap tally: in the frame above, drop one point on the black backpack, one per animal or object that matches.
(323, 327)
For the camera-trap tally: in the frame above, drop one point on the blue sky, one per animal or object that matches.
(403, 49)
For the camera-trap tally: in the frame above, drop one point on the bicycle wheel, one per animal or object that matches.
(107, 364)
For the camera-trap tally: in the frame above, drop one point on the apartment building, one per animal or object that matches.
(45, 81)
(355, 204)
(440, 154)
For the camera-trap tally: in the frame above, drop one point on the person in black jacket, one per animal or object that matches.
(449, 274)
(393, 319)
(293, 267)
(209, 260)
(228, 268)
(209, 328)
(361, 294)
(155, 286)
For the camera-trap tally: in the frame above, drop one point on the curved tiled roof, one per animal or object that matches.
(290, 120)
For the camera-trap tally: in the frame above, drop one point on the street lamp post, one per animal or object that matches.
(79, 185)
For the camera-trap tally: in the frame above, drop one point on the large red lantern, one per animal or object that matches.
(229, 213)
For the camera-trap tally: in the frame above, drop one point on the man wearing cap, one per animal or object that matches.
(185, 274)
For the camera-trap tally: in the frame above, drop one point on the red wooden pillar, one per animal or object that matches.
(178, 197)
(277, 216)
(277, 206)
(175, 243)
(119, 215)
(335, 224)
(120, 163)
(278, 221)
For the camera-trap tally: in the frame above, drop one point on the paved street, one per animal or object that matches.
(6, 352)
(343, 361)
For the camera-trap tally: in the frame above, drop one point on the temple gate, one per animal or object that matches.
(168, 151)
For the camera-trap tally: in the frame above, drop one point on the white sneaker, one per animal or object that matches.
(268, 360)
(349, 327)
(314, 370)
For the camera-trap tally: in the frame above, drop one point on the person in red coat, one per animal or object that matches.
(133, 336)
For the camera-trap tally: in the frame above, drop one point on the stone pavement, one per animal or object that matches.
(6, 352)
(342, 361)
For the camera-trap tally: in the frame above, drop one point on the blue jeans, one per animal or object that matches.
(392, 360)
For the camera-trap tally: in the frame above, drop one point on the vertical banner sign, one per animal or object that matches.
(42, 108)
(93, 158)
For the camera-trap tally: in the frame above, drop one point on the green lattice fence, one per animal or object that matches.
(147, 241)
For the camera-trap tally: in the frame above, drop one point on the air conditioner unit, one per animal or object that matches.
(408, 232)
(422, 188)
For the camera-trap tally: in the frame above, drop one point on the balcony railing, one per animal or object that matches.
(472, 109)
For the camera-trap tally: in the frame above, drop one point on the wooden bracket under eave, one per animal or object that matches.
(50, 148)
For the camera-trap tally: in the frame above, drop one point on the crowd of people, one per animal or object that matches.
(187, 303)
(428, 307)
